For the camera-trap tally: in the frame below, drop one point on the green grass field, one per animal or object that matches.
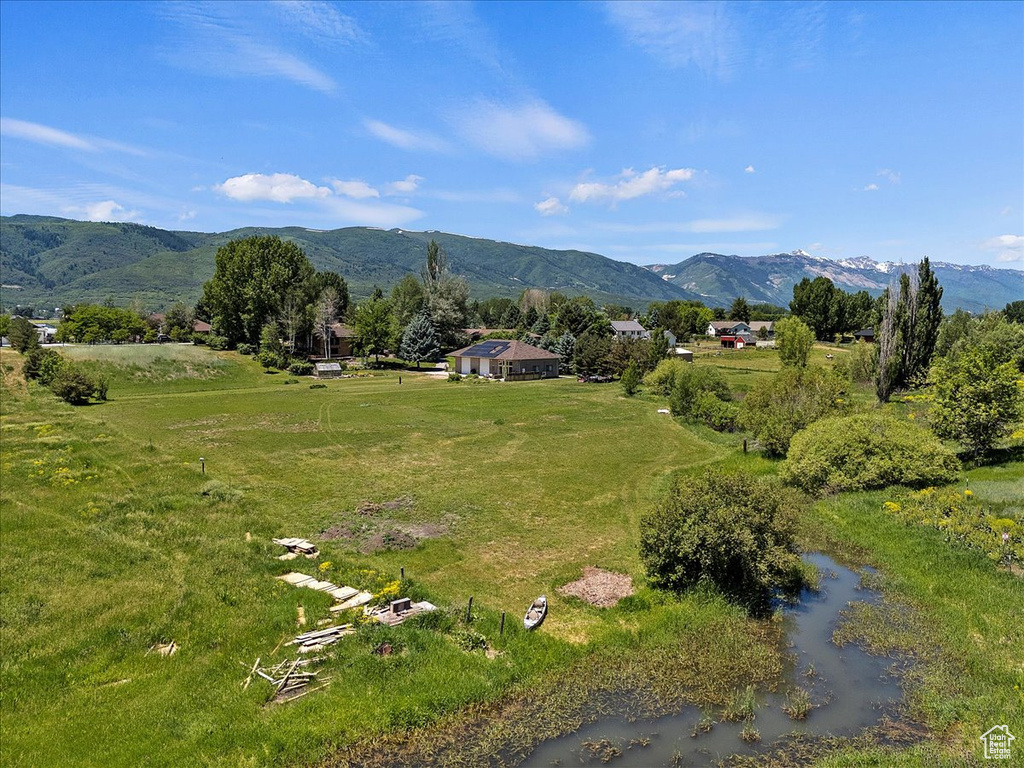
(114, 540)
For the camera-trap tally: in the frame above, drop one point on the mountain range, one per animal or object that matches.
(48, 261)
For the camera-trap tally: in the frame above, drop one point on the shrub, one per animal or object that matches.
(216, 342)
(246, 349)
(733, 531)
(149, 337)
(455, 377)
(778, 407)
(661, 380)
(301, 368)
(709, 410)
(217, 491)
(867, 450)
(72, 386)
(690, 382)
(42, 364)
(631, 379)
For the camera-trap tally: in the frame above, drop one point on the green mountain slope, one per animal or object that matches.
(50, 261)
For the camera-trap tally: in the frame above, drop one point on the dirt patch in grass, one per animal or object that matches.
(371, 508)
(368, 530)
(599, 587)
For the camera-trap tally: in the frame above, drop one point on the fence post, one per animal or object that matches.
(469, 610)
(501, 630)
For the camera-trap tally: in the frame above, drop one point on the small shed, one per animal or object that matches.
(683, 354)
(865, 334)
(327, 370)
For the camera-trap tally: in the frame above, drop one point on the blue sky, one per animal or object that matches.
(643, 132)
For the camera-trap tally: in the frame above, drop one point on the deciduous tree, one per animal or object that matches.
(794, 340)
(977, 400)
(249, 285)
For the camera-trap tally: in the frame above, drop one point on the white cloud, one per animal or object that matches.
(521, 132)
(893, 177)
(551, 207)
(681, 34)
(349, 202)
(228, 39)
(319, 21)
(406, 186)
(749, 169)
(630, 185)
(405, 139)
(107, 210)
(870, 188)
(355, 189)
(44, 134)
(1006, 247)
(278, 188)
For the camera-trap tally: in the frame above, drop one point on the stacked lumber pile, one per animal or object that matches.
(319, 639)
(297, 547)
(348, 597)
(291, 679)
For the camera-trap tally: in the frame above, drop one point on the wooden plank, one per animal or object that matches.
(361, 599)
(343, 593)
(294, 577)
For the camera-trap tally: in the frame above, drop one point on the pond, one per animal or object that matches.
(849, 689)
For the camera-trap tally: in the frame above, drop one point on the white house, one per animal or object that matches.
(727, 327)
(629, 329)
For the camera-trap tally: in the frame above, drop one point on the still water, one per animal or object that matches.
(850, 690)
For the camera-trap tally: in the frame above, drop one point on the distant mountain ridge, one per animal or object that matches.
(59, 261)
(718, 279)
(48, 261)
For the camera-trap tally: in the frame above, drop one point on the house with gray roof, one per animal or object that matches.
(506, 359)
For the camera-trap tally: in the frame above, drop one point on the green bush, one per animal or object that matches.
(733, 531)
(709, 410)
(690, 382)
(216, 342)
(42, 364)
(454, 377)
(778, 407)
(72, 386)
(867, 450)
(301, 368)
(246, 349)
(631, 379)
(661, 380)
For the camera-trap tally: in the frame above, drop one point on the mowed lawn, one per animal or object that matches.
(113, 540)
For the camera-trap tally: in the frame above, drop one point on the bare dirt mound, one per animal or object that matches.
(599, 587)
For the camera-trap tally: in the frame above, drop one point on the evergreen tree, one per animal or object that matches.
(512, 317)
(542, 326)
(22, 335)
(631, 379)
(657, 350)
(419, 342)
(740, 310)
(565, 347)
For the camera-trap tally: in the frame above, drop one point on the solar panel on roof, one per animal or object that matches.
(490, 348)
